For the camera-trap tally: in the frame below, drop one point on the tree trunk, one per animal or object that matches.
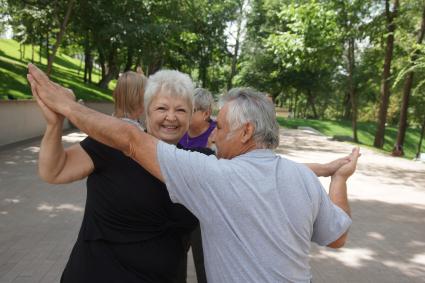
(88, 60)
(47, 45)
(203, 71)
(32, 52)
(20, 52)
(347, 106)
(102, 62)
(402, 126)
(234, 63)
(41, 49)
(113, 69)
(351, 88)
(154, 66)
(418, 153)
(310, 100)
(59, 37)
(385, 84)
(236, 51)
(88, 66)
(129, 62)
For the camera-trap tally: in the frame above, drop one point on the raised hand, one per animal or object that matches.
(51, 117)
(51, 94)
(330, 168)
(348, 169)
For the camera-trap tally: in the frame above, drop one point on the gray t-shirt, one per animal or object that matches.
(259, 213)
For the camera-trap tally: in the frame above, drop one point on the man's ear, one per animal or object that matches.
(248, 132)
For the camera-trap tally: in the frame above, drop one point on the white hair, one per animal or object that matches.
(202, 99)
(250, 106)
(169, 82)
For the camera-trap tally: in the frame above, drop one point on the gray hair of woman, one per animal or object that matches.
(169, 82)
(202, 99)
(250, 106)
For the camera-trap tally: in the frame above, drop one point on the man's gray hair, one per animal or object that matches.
(203, 99)
(247, 105)
(169, 82)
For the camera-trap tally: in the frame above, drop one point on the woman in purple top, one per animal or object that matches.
(201, 125)
(200, 128)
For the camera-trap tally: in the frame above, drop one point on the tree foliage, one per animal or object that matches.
(317, 58)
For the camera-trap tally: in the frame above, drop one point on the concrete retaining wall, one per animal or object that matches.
(22, 120)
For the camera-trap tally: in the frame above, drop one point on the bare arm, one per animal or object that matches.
(55, 164)
(118, 134)
(327, 169)
(338, 191)
(106, 129)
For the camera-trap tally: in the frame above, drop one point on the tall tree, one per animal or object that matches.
(386, 73)
(351, 15)
(59, 36)
(237, 37)
(305, 43)
(408, 82)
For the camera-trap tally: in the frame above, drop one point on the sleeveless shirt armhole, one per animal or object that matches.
(94, 149)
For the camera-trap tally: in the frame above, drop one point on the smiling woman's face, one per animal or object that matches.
(168, 118)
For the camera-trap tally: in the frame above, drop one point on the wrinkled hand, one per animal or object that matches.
(51, 117)
(51, 94)
(331, 167)
(348, 169)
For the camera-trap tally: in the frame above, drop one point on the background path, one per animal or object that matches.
(39, 222)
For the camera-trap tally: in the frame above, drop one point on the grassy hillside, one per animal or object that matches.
(13, 84)
(366, 133)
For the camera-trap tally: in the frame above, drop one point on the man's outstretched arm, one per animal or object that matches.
(106, 129)
(338, 191)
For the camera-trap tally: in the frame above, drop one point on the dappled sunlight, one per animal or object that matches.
(376, 236)
(419, 259)
(416, 244)
(351, 257)
(12, 200)
(34, 149)
(74, 137)
(408, 269)
(70, 207)
(10, 163)
(62, 207)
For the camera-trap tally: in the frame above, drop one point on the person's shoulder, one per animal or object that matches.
(301, 168)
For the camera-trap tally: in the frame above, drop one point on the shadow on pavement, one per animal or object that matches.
(386, 244)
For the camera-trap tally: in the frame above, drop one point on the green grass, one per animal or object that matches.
(13, 83)
(366, 133)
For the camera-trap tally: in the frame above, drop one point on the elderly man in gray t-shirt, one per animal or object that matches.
(259, 212)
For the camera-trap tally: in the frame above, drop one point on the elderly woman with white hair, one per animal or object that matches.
(131, 231)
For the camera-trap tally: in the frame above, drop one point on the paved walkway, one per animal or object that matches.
(39, 222)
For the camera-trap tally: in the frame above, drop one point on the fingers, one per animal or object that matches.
(356, 152)
(66, 91)
(31, 80)
(33, 86)
(38, 75)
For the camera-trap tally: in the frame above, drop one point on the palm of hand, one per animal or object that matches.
(348, 169)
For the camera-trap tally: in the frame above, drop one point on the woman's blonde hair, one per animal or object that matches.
(128, 94)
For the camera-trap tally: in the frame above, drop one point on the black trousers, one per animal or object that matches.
(198, 258)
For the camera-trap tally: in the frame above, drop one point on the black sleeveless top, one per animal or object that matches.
(131, 231)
